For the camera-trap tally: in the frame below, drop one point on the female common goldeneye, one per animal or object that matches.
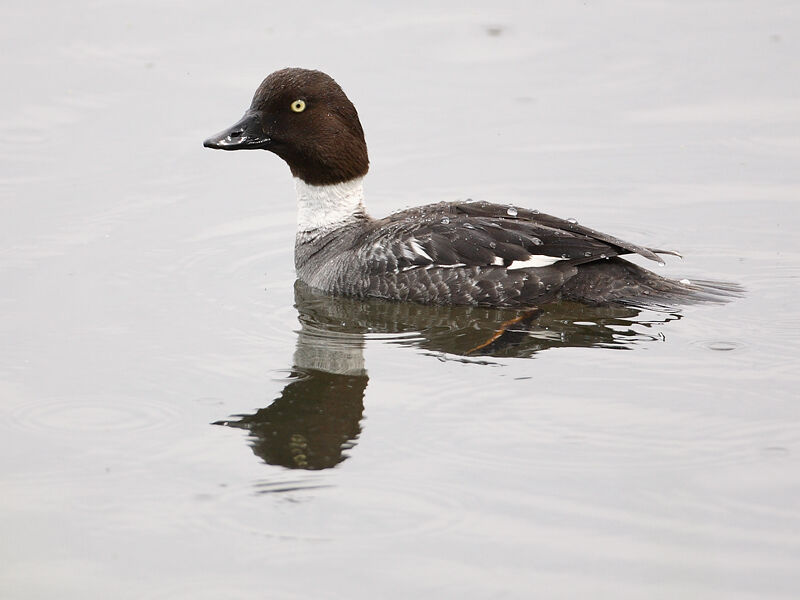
(473, 253)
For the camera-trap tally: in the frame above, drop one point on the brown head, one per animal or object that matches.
(305, 118)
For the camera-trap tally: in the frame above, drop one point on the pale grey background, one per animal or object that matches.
(146, 291)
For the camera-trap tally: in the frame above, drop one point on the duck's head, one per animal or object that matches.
(305, 118)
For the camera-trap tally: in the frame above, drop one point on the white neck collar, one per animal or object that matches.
(325, 206)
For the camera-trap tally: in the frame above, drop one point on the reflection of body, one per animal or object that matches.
(316, 419)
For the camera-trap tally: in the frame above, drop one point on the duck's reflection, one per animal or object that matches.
(311, 425)
(317, 417)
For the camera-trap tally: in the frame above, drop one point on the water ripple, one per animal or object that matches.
(67, 416)
(381, 508)
(480, 426)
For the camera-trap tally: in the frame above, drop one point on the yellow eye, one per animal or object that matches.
(298, 105)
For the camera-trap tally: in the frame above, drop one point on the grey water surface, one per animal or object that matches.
(180, 419)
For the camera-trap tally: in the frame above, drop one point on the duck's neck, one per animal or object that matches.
(322, 208)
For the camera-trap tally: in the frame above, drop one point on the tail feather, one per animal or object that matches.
(617, 281)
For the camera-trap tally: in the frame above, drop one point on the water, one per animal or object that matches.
(173, 427)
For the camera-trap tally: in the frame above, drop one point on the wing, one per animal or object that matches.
(480, 234)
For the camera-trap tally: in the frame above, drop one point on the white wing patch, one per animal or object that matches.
(418, 249)
(536, 260)
(429, 267)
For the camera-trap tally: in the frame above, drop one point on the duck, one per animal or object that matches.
(463, 252)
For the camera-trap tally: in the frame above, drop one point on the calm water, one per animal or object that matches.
(180, 420)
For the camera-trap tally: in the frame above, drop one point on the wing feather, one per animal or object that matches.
(479, 234)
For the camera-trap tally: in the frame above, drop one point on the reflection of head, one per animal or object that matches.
(313, 421)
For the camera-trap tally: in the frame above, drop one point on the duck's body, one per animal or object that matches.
(472, 253)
